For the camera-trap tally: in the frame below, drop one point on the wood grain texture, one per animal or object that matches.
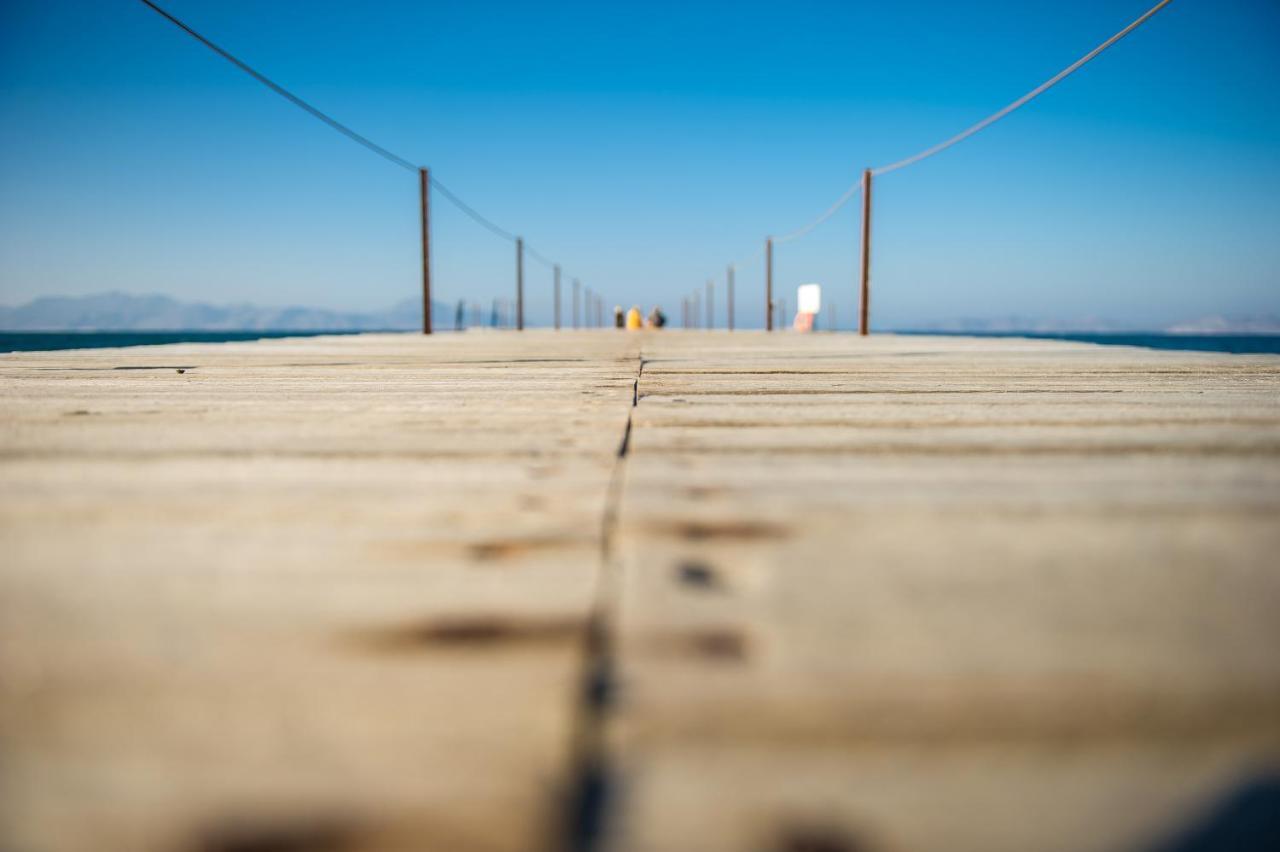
(322, 591)
(915, 593)
(892, 593)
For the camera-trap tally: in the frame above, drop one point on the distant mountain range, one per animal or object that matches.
(1228, 325)
(125, 312)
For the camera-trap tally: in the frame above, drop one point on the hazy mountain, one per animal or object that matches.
(124, 312)
(1014, 323)
(1228, 325)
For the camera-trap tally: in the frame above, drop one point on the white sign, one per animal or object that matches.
(809, 298)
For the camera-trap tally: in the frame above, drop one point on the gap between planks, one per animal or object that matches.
(591, 783)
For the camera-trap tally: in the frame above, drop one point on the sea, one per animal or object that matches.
(28, 341)
(1240, 344)
(35, 341)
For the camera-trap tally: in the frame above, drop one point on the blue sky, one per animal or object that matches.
(645, 145)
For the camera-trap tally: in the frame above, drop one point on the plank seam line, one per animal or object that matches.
(590, 779)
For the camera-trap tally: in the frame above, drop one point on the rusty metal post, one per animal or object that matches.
(768, 284)
(557, 272)
(711, 304)
(865, 297)
(424, 197)
(730, 297)
(519, 284)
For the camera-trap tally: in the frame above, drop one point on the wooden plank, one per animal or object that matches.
(321, 593)
(913, 593)
(882, 593)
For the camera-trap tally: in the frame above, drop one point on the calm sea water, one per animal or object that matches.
(30, 341)
(1237, 343)
(25, 341)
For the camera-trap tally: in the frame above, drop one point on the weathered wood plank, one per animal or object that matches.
(933, 593)
(305, 592)
(893, 593)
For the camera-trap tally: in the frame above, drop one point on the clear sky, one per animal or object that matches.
(645, 145)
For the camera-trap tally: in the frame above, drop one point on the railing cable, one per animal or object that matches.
(1025, 99)
(830, 211)
(332, 122)
(285, 93)
(472, 212)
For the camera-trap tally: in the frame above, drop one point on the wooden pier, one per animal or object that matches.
(635, 592)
